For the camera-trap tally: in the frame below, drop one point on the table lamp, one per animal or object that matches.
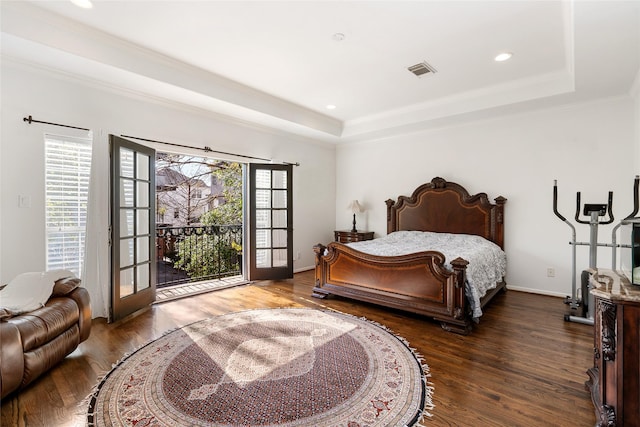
(354, 207)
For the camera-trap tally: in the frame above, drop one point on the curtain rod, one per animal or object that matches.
(205, 149)
(31, 120)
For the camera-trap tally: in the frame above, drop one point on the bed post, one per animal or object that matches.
(391, 219)
(459, 268)
(461, 323)
(499, 221)
(318, 292)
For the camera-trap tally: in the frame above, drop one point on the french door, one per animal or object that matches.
(133, 275)
(270, 222)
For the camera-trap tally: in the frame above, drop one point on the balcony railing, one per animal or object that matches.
(196, 253)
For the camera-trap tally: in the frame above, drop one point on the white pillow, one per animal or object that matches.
(30, 291)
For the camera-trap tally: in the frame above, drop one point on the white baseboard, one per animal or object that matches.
(301, 269)
(535, 291)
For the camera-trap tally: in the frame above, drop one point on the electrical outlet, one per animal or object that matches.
(297, 255)
(551, 272)
(24, 201)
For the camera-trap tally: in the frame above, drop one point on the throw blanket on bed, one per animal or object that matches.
(28, 292)
(487, 262)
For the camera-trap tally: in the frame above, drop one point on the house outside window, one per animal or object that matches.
(67, 171)
(183, 186)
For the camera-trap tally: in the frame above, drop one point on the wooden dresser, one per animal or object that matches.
(614, 380)
(352, 236)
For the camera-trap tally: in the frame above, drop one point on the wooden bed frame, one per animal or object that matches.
(417, 282)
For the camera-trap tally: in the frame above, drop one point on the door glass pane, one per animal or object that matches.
(263, 258)
(263, 219)
(280, 219)
(280, 199)
(279, 257)
(143, 276)
(279, 179)
(279, 238)
(126, 252)
(126, 222)
(263, 238)
(142, 166)
(142, 249)
(126, 163)
(143, 194)
(126, 282)
(263, 178)
(142, 221)
(263, 199)
(126, 192)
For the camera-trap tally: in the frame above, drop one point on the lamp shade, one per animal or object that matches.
(355, 207)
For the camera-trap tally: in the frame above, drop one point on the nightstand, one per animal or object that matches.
(352, 236)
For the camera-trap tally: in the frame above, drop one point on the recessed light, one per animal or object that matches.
(331, 107)
(503, 56)
(85, 4)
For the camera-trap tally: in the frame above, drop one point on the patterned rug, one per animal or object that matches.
(272, 367)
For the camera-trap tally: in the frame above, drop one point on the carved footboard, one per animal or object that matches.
(417, 282)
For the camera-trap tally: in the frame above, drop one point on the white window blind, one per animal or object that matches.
(67, 169)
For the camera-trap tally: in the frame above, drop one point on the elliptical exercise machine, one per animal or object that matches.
(594, 212)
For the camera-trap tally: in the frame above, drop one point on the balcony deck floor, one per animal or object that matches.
(187, 289)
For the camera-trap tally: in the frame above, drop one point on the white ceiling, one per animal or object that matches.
(277, 64)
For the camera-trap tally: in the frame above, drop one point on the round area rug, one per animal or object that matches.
(272, 367)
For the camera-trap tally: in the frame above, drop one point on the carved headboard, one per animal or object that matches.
(447, 207)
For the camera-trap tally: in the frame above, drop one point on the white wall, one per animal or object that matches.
(49, 97)
(588, 148)
(635, 93)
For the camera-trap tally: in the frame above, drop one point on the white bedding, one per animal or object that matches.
(487, 262)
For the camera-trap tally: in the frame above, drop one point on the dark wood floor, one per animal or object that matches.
(522, 366)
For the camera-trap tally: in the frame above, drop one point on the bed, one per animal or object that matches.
(423, 282)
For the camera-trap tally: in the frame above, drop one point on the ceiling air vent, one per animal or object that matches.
(421, 69)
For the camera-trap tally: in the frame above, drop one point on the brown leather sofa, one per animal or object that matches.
(33, 342)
